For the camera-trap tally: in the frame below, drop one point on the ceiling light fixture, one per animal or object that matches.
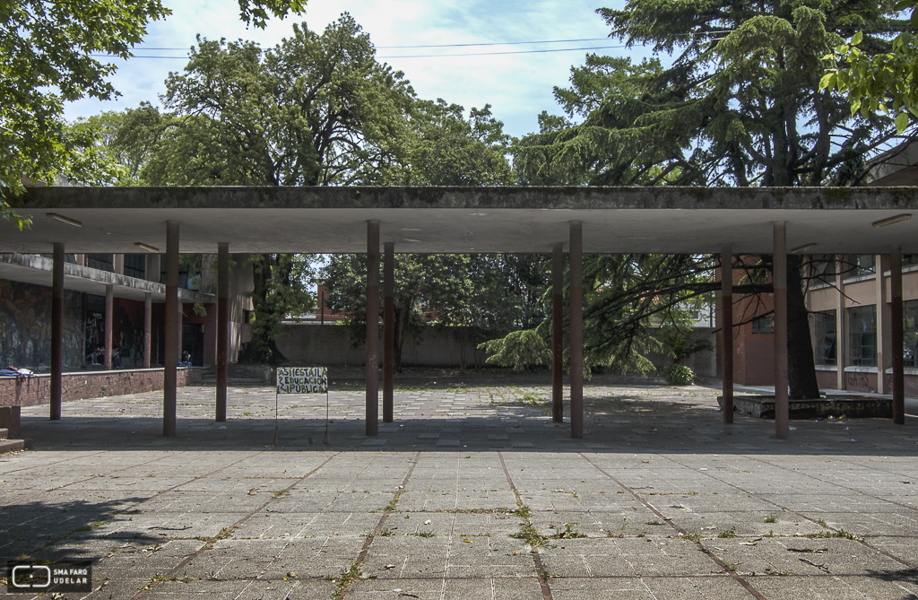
(65, 220)
(803, 248)
(892, 220)
(147, 247)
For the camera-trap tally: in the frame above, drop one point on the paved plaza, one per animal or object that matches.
(473, 493)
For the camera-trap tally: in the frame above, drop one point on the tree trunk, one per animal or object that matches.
(801, 367)
(401, 318)
(261, 349)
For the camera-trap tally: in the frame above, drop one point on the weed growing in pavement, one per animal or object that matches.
(346, 579)
(771, 519)
(530, 535)
(569, 533)
(392, 505)
(841, 533)
(728, 533)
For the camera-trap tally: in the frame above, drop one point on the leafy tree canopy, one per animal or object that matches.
(877, 74)
(736, 101)
(491, 295)
(48, 53)
(740, 103)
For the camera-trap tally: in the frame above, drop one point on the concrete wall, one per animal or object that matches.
(327, 345)
(97, 384)
(331, 345)
(25, 326)
(703, 363)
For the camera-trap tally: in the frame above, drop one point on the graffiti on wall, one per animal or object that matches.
(858, 382)
(25, 326)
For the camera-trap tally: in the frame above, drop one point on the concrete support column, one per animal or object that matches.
(726, 302)
(222, 327)
(147, 329)
(779, 271)
(895, 315)
(57, 331)
(884, 345)
(557, 334)
(372, 328)
(109, 320)
(841, 323)
(118, 263)
(576, 329)
(171, 342)
(388, 331)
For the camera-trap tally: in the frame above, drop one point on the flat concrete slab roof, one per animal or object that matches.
(459, 220)
(35, 269)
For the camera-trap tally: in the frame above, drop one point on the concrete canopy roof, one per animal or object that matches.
(34, 269)
(458, 220)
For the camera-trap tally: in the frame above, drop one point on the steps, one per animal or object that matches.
(8, 445)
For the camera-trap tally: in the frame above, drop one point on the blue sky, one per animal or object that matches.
(518, 86)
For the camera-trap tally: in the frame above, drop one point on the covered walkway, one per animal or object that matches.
(383, 221)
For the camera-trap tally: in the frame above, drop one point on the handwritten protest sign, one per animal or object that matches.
(298, 380)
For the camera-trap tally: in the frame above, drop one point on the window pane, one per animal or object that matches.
(910, 337)
(863, 323)
(825, 341)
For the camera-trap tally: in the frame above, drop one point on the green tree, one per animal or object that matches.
(740, 104)
(445, 148)
(47, 50)
(317, 109)
(879, 75)
(490, 295)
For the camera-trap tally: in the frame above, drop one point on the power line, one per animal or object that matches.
(502, 53)
(493, 44)
(466, 54)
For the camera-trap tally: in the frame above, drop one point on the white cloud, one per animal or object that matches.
(518, 86)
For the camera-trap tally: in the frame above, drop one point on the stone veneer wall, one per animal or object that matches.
(76, 386)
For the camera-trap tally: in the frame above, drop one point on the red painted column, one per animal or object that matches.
(172, 324)
(782, 406)
(557, 334)
(576, 328)
(388, 332)
(222, 326)
(109, 310)
(895, 315)
(372, 397)
(726, 290)
(57, 331)
(147, 328)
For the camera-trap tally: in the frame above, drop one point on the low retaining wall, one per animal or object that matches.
(832, 406)
(36, 390)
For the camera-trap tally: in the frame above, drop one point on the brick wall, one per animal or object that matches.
(76, 386)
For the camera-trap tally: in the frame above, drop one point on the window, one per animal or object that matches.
(863, 264)
(824, 267)
(135, 265)
(763, 325)
(825, 338)
(910, 337)
(103, 262)
(862, 321)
